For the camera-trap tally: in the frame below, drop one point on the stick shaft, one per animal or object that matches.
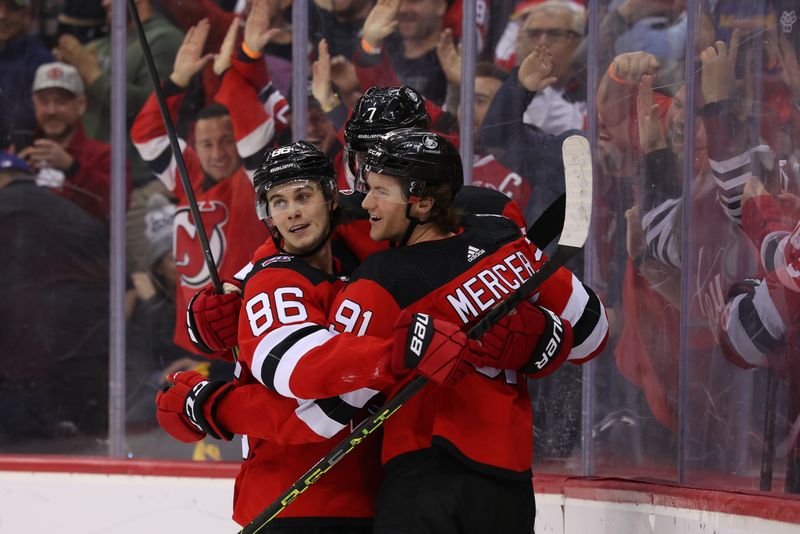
(176, 149)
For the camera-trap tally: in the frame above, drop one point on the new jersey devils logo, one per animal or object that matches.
(189, 259)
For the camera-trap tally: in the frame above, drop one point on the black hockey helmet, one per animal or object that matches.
(381, 110)
(298, 161)
(419, 157)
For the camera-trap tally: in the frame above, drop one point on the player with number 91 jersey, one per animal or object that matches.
(486, 420)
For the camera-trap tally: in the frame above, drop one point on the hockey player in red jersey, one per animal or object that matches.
(296, 196)
(297, 199)
(234, 129)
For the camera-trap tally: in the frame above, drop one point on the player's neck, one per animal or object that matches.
(322, 259)
(427, 232)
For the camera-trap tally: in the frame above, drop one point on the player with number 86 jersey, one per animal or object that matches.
(282, 296)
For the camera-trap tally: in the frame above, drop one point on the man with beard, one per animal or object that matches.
(73, 165)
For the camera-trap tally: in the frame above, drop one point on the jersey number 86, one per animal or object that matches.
(261, 307)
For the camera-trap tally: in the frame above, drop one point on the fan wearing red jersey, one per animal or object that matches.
(228, 132)
(450, 451)
(761, 316)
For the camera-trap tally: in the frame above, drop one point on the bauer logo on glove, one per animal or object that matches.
(419, 336)
(553, 345)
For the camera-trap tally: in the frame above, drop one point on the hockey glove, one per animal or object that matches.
(534, 341)
(437, 349)
(186, 409)
(213, 319)
(732, 335)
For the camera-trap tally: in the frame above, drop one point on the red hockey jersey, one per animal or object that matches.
(490, 173)
(229, 218)
(760, 328)
(284, 297)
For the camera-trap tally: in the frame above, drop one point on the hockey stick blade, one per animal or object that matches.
(578, 173)
(176, 149)
(578, 215)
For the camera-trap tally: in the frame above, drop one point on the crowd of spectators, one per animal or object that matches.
(690, 215)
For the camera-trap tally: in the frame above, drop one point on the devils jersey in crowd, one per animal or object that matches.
(490, 173)
(759, 323)
(760, 329)
(649, 345)
(226, 206)
(458, 279)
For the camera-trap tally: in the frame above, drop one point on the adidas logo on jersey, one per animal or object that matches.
(473, 253)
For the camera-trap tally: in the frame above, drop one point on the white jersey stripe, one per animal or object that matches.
(311, 414)
(292, 355)
(768, 313)
(727, 165)
(593, 341)
(577, 302)
(577, 306)
(256, 140)
(359, 397)
(740, 340)
(269, 342)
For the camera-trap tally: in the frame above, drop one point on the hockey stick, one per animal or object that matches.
(176, 149)
(578, 172)
(768, 448)
(792, 484)
(548, 225)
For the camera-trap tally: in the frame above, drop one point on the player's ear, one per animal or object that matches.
(424, 207)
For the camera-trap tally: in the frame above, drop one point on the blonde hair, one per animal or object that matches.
(576, 11)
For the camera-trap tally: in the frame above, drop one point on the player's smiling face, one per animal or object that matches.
(386, 207)
(300, 212)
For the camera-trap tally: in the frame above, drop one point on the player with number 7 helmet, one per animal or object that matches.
(378, 111)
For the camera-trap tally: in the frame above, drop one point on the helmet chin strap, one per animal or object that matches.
(413, 222)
